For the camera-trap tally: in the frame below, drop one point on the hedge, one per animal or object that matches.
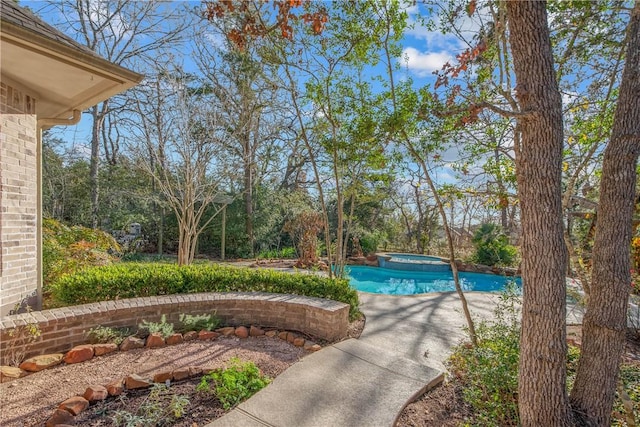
(130, 280)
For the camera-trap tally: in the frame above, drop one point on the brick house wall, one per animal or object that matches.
(19, 170)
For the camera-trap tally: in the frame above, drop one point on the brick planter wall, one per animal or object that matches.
(63, 328)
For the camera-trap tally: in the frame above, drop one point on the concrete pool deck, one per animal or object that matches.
(368, 381)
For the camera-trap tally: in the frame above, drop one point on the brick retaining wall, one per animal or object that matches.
(63, 328)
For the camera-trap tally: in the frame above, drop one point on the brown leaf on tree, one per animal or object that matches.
(253, 28)
(471, 7)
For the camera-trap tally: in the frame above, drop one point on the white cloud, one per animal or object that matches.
(423, 64)
(215, 39)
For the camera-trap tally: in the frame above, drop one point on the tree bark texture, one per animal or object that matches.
(605, 320)
(94, 163)
(542, 370)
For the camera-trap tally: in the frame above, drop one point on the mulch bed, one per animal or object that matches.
(202, 408)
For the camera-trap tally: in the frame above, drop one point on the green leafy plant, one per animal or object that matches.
(129, 280)
(105, 334)
(68, 249)
(277, 253)
(19, 339)
(147, 328)
(489, 372)
(234, 384)
(198, 322)
(492, 246)
(161, 408)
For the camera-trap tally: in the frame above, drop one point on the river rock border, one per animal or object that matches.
(66, 327)
(66, 412)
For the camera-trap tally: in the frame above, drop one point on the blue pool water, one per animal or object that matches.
(398, 282)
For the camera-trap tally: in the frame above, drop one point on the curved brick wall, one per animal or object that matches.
(62, 328)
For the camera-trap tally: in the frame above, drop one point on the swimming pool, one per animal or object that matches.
(398, 282)
(414, 257)
(412, 262)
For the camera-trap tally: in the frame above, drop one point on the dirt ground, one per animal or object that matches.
(444, 405)
(31, 400)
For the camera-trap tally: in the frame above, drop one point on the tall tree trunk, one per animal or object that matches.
(248, 189)
(604, 323)
(94, 163)
(543, 348)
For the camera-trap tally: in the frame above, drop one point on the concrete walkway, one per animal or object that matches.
(368, 381)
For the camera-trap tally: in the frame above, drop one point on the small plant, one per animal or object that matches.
(199, 322)
(106, 334)
(163, 328)
(234, 384)
(19, 339)
(489, 372)
(161, 408)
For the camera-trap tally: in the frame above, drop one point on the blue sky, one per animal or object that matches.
(424, 51)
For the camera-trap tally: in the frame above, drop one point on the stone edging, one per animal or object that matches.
(66, 412)
(65, 327)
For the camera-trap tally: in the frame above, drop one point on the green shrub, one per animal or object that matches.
(235, 383)
(106, 334)
(68, 249)
(492, 246)
(278, 254)
(129, 280)
(198, 322)
(369, 242)
(163, 328)
(489, 372)
(118, 281)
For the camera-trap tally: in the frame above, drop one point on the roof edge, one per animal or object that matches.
(25, 36)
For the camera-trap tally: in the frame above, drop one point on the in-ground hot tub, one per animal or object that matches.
(412, 262)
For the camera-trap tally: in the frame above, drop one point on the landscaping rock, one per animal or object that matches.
(95, 393)
(131, 342)
(162, 377)
(38, 363)
(370, 263)
(181, 374)
(299, 342)
(79, 354)
(271, 334)
(242, 332)
(291, 337)
(255, 331)
(190, 336)
(115, 388)
(74, 405)
(228, 331)
(101, 349)
(155, 340)
(196, 371)
(207, 335)
(10, 373)
(134, 381)
(283, 335)
(174, 339)
(311, 346)
(59, 418)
